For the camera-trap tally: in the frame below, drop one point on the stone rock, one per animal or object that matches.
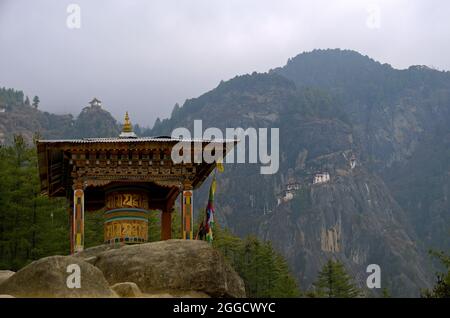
(127, 290)
(48, 276)
(177, 294)
(4, 275)
(172, 266)
(92, 252)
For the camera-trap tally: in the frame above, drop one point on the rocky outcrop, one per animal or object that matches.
(172, 267)
(127, 290)
(353, 219)
(4, 275)
(48, 277)
(166, 269)
(387, 207)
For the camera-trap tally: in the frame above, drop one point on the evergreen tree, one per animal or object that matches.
(36, 101)
(442, 287)
(265, 273)
(10, 97)
(31, 225)
(93, 229)
(27, 101)
(334, 282)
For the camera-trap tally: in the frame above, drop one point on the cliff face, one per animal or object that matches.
(352, 217)
(366, 124)
(400, 118)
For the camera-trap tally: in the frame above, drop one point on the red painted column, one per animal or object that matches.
(187, 210)
(166, 225)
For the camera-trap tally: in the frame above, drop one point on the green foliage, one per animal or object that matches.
(442, 287)
(154, 225)
(93, 228)
(265, 272)
(31, 225)
(10, 97)
(334, 282)
(36, 101)
(385, 293)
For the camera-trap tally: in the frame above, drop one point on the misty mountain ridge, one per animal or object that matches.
(380, 133)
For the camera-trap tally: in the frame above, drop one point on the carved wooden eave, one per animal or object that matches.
(99, 162)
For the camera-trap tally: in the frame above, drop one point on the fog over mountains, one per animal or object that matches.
(381, 134)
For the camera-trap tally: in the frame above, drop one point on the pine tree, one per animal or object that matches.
(442, 287)
(36, 101)
(31, 225)
(334, 282)
(265, 272)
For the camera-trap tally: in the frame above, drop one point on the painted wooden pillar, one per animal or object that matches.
(166, 224)
(71, 238)
(78, 218)
(187, 210)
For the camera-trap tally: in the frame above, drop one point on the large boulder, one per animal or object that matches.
(177, 294)
(95, 250)
(90, 254)
(127, 290)
(48, 277)
(172, 265)
(4, 275)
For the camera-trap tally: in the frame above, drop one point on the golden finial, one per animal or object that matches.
(127, 130)
(127, 127)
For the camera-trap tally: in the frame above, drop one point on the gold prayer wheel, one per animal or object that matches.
(126, 216)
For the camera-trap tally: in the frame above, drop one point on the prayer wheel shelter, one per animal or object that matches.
(126, 177)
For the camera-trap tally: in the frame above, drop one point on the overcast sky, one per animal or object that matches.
(145, 55)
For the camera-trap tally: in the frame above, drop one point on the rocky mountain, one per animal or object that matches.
(19, 118)
(364, 169)
(401, 118)
(94, 121)
(29, 121)
(379, 133)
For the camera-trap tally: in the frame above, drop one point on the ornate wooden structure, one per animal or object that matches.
(125, 177)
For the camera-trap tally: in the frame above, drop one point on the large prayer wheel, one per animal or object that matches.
(126, 216)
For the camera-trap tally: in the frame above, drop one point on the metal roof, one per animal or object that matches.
(139, 139)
